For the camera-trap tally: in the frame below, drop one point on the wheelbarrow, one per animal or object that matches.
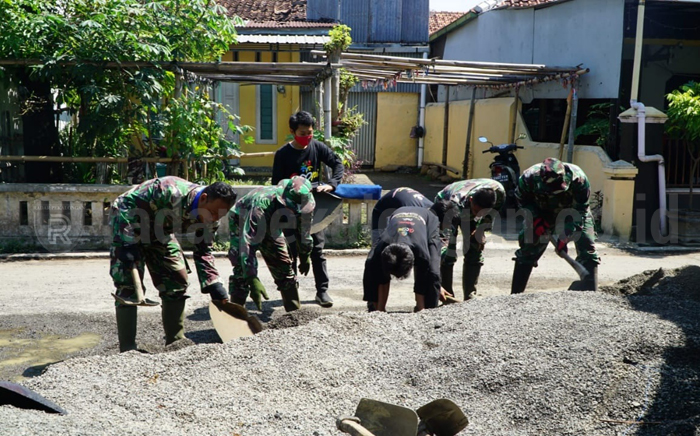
(374, 418)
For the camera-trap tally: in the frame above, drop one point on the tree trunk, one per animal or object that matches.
(39, 129)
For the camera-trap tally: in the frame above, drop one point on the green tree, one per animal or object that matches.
(684, 124)
(116, 110)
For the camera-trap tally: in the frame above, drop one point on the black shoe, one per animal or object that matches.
(371, 307)
(323, 299)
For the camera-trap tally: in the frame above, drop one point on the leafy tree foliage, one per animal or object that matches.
(145, 111)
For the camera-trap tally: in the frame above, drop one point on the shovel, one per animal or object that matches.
(374, 418)
(17, 395)
(232, 321)
(328, 207)
(140, 299)
(580, 269)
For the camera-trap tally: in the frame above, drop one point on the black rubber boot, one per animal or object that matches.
(126, 327)
(237, 290)
(173, 314)
(521, 274)
(590, 283)
(446, 277)
(470, 278)
(290, 295)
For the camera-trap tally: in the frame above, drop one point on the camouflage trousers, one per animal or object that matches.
(473, 251)
(274, 252)
(166, 265)
(583, 236)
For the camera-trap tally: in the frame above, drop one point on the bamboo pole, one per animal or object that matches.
(123, 159)
(454, 63)
(467, 147)
(567, 118)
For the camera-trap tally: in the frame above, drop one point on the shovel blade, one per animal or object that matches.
(232, 321)
(385, 419)
(328, 207)
(18, 396)
(443, 417)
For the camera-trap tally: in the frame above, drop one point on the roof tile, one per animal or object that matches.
(266, 10)
(438, 20)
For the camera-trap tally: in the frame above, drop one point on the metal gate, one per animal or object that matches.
(364, 103)
(364, 143)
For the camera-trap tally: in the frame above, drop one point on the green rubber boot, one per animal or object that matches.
(126, 327)
(290, 295)
(470, 278)
(446, 276)
(173, 314)
(521, 274)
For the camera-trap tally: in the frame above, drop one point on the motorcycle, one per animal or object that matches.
(505, 168)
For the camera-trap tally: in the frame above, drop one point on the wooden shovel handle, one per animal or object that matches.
(136, 278)
(352, 427)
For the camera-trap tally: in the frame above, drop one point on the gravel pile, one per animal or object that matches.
(560, 363)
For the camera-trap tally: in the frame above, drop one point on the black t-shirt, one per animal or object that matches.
(394, 199)
(291, 162)
(419, 228)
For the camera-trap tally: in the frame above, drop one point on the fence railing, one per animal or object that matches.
(678, 164)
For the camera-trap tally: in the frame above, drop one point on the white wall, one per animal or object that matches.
(588, 32)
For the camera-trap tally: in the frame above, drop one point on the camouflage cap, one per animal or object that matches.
(295, 193)
(553, 174)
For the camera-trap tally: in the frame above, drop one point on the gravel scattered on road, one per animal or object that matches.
(559, 363)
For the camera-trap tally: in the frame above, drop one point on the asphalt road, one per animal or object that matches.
(53, 309)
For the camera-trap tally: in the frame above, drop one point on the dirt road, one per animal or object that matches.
(53, 309)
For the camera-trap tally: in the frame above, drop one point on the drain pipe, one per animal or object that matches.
(642, 116)
(421, 119)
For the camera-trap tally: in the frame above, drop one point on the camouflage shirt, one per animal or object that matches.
(462, 191)
(259, 214)
(157, 208)
(536, 196)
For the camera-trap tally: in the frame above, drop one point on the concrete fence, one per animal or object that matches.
(72, 217)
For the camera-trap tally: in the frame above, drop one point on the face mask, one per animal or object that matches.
(303, 140)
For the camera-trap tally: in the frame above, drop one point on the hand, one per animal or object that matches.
(128, 254)
(324, 188)
(561, 245)
(257, 291)
(540, 226)
(216, 291)
(304, 265)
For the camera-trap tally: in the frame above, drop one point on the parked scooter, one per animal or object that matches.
(505, 168)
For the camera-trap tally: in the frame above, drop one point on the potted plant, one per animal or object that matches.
(684, 124)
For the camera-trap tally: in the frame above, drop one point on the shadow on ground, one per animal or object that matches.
(673, 295)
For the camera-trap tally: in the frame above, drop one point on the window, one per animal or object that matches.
(266, 119)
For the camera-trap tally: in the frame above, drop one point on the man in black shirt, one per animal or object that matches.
(392, 200)
(411, 241)
(303, 157)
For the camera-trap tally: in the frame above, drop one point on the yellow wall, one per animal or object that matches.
(493, 119)
(434, 132)
(287, 104)
(397, 113)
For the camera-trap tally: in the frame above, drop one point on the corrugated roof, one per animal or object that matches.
(438, 20)
(266, 10)
(284, 39)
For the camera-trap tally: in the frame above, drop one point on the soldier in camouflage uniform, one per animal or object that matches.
(144, 220)
(556, 196)
(475, 199)
(257, 222)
